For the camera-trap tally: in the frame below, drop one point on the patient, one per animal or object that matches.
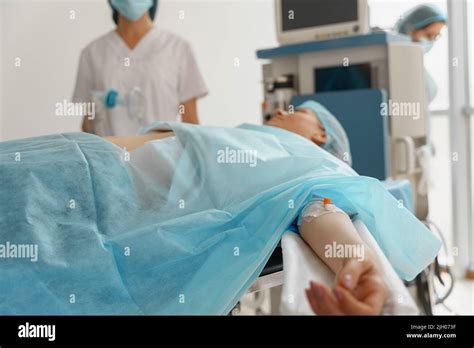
(359, 289)
(323, 130)
(171, 228)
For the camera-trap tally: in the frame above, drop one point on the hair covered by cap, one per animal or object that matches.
(337, 142)
(420, 17)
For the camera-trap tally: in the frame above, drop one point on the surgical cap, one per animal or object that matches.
(420, 17)
(337, 142)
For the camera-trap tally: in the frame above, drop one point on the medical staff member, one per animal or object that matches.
(424, 24)
(137, 54)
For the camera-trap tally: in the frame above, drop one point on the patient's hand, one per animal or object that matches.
(359, 290)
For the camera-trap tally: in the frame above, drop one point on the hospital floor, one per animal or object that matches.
(461, 301)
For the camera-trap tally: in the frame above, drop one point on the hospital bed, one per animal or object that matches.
(367, 131)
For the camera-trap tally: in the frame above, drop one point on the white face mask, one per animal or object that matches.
(427, 44)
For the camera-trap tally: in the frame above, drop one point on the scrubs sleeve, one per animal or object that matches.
(84, 82)
(191, 82)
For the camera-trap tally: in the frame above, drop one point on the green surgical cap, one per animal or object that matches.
(420, 17)
(337, 142)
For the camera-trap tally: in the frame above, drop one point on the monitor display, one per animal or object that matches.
(301, 14)
(340, 78)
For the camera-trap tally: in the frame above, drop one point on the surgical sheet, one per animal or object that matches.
(112, 239)
(301, 265)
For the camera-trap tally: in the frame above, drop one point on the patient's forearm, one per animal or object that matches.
(321, 233)
(132, 142)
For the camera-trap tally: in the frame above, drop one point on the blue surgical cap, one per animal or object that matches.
(420, 17)
(337, 142)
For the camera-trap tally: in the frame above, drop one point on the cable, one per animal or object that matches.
(449, 308)
(440, 299)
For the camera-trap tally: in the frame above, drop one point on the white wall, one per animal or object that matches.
(48, 41)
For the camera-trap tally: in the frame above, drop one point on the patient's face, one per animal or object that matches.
(303, 122)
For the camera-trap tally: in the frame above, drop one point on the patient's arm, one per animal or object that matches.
(85, 125)
(132, 142)
(359, 289)
(190, 114)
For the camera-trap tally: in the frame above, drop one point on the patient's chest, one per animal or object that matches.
(154, 162)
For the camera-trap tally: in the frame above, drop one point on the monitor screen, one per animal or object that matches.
(300, 14)
(340, 78)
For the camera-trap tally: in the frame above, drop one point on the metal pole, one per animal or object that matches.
(460, 134)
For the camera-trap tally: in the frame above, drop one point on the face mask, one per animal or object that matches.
(132, 9)
(427, 44)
